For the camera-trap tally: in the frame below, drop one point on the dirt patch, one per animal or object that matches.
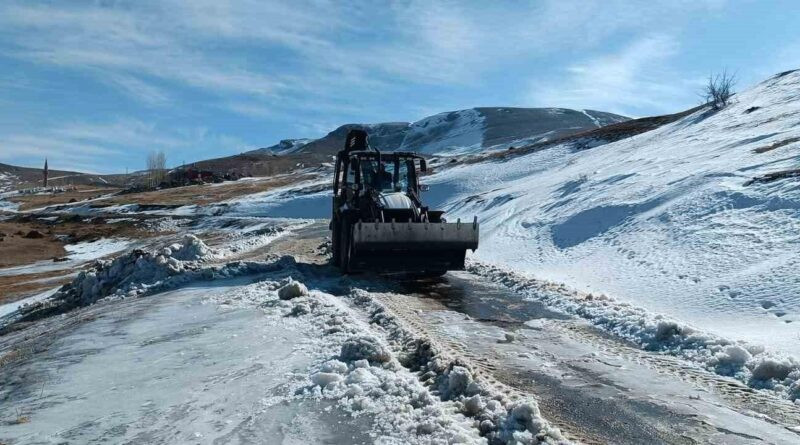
(778, 144)
(18, 248)
(81, 193)
(202, 194)
(769, 177)
(17, 287)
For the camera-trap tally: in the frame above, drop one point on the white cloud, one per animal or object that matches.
(633, 79)
(314, 63)
(67, 154)
(138, 89)
(109, 146)
(126, 43)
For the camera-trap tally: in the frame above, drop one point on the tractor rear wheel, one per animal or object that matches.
(345, 247)
(336, 245)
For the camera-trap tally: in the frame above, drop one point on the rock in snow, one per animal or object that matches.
(293, 289)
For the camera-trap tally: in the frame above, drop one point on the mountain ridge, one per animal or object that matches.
(460, 131)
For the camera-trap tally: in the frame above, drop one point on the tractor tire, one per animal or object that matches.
(345, 247)
(336, 246)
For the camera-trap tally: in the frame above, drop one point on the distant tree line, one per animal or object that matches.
(156, 168)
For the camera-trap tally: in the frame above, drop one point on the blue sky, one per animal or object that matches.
(96, 85)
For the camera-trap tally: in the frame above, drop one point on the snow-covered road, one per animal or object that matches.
(171, 369)
(356, 360)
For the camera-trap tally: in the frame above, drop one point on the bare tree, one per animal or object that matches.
(156, 168)
(719, 89)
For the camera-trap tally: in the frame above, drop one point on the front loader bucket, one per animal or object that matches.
(412, 247)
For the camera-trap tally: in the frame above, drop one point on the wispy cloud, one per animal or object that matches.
(89, 146)
(224, 73)
(68, 154)
(138, 89)
(633, 79)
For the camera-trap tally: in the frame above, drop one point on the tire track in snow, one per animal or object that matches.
(569, 373)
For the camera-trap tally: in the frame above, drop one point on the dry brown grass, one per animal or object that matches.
(202, 194)
(21, 418)
(10, 356)
(82, 192)
(778, 144)
(774, 176)
(17, 287)
(16, 250)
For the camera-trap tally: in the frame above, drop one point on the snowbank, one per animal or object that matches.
(373, 360)
(135, 274)
(751, 364)
(371, 366)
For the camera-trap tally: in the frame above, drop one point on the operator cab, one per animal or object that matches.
(379, 222)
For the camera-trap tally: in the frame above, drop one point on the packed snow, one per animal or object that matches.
(359, 360)
(92, 250)
(177, 368)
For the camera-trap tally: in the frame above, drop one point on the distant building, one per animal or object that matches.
(46, 172)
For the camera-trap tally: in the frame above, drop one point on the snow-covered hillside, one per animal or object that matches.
(670, 220)
(7, 180)
(286, 146)
(470, 130)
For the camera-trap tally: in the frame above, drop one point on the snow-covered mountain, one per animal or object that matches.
(469, 130)
(286, 146)
(698, 220)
